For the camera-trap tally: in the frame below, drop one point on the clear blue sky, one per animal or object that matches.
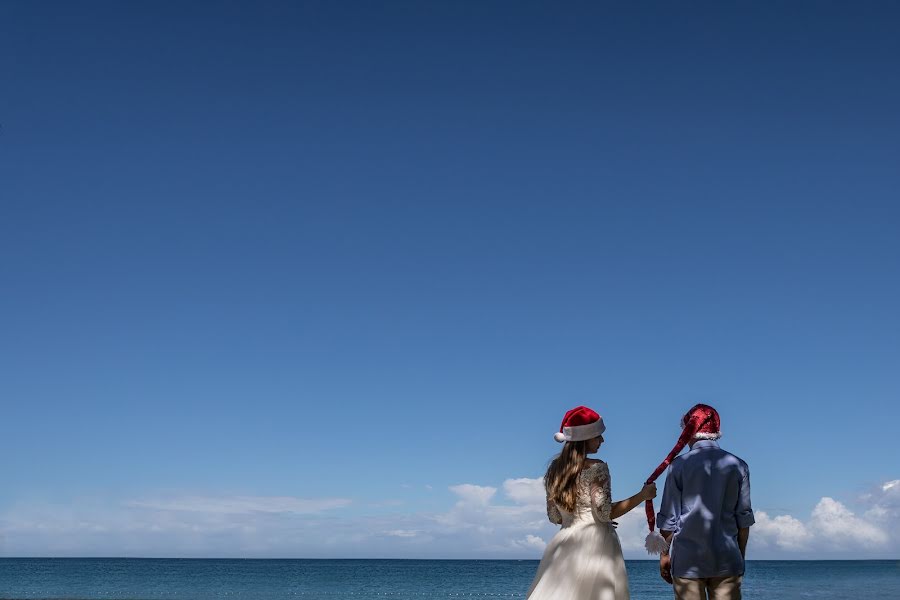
(364, 252)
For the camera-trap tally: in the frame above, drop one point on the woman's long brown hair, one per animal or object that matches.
(561, 479)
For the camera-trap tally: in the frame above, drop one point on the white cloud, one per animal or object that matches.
(473, 494)
(833, 529)
(486, 527)
(884, 502)
(525, 491)
(830, 530)
(480, 522)
(783, 532)
(836, 526)
(176, 526)
(402, 533)
(243, 504)
(531, 542)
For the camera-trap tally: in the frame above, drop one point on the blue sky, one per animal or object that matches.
(320, 279)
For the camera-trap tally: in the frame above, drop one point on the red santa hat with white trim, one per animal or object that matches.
(581, 423)
(699, 423)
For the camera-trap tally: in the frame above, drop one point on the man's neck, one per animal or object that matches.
(692, 442)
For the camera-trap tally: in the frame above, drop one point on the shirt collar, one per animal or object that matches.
(700, 444)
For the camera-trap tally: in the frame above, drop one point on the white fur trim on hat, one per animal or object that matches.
(579, 433)
(708, 436)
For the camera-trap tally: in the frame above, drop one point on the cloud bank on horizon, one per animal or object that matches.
(508, 521)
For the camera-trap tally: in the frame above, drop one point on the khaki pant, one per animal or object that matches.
(718, 588)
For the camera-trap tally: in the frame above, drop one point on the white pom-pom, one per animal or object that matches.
(655, 543)
(559, 437)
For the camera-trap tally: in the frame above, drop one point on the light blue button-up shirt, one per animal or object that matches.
(705, 501)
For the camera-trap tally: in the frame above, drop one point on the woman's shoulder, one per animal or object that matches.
(594, 464)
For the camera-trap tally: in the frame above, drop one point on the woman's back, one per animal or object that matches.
(593, 501)
(584, 559)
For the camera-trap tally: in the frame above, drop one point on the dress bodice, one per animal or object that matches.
(593, 501)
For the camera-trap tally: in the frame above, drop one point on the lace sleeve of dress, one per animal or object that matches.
(601, 494)
(553, 511)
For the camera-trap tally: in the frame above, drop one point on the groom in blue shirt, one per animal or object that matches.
(705, 516)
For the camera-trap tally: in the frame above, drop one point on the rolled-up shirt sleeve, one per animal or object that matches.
(744, 512)
(670, 505)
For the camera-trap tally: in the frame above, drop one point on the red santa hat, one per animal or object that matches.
(699, 423)
(581, 423)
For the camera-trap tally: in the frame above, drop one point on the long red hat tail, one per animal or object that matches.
(694, 421)
(655, 543)
(687, 433)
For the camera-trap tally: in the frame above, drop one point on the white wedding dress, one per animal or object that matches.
(584, 560)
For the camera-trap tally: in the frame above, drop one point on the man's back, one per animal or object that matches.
(705, 502)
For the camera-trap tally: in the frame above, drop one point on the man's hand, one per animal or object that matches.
(665, 568)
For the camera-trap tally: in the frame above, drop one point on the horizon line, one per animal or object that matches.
(407, 559)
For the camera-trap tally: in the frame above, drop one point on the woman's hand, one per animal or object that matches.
(623, 506)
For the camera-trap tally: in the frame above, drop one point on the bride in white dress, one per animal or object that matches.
(584, 560)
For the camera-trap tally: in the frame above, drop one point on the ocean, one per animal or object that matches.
(205, 579)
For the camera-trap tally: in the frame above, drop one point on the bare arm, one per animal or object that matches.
(623, 506)
(743, 536)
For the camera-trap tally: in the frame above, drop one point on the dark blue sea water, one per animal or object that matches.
(151, 579)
